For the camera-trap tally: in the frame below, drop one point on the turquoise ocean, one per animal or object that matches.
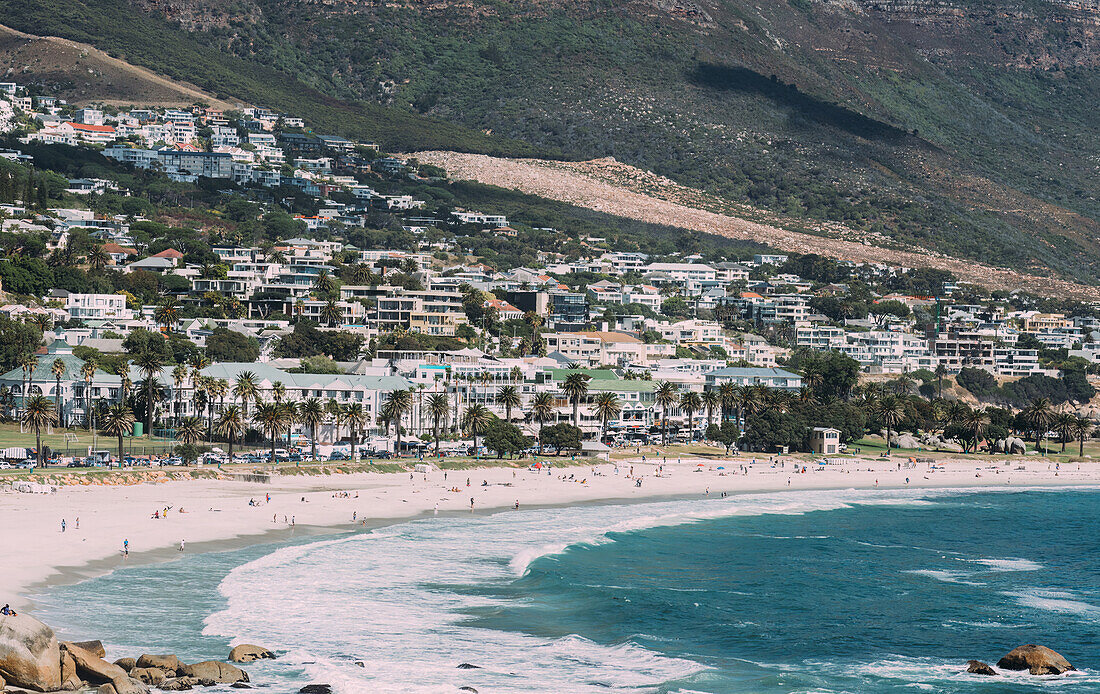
(809, 592)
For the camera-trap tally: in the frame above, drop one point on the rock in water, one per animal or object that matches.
(94, 647)
(149, 675)
(247, 653)
(170, 664)
(468, 666)
(1038, 660)
(176, 685)
(316, 689)
(126, 664)
(222, 673)
(977, 667)
(29, 654)
(97, 670)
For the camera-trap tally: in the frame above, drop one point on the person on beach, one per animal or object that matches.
(126, 547)
(7, 611)
(181, 545)
(77, 525)
(354, 516)
(62, 525)
(292, 521)
(437, 508)
(471, 503)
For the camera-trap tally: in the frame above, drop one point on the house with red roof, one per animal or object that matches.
(170, 254)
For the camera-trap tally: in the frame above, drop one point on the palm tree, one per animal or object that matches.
(891, 410)
(476, 420)
(331, 313)
(607, 408)
(278, 391)
(179, 375)
(1039, 415)
(400, 402)
(118, 421)
(290, 412)
(42, 321)
(38, 412)
(1065, 425)
(575, 388)
(357, 420)
(516, 375)
(312, 414)
(712, 400)
(324, 284)
(189, 430)
(149, 364)
(1081, 429)
(98, 258)
(508, 396)
(58, 369)
(727, 393)
(87, 371)
(665, 398)
(29, 363)
(336, 413)
(230, 425)
(976, 422)
(246, 389)
(542, 411)
(941, 371)
(690, 403)
(438, 406)
(271, 419)
(167, 313)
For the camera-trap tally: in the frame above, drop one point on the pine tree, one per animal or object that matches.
(43, 195)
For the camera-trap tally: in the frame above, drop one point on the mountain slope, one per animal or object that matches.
(963, 126)
(613, 188)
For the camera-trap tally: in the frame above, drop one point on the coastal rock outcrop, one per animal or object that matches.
(126, 664)
(1037, 660)
(180, 684)
(1015, 445)
(149, 675)
(167, 663)
(222, 673)
(94, 647)
(977, 667)
(247, 653)
(316, 689)
(29, 654)
(99, 671)
(70, 681)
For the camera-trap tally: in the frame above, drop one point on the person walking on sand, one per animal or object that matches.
(182, 542)
(126, 548)
(471, 503)
(77, 526)
(62, 525)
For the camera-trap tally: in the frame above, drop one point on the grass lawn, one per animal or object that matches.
(10, 435)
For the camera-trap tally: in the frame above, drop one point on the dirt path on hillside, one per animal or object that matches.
(606, 185)
(95, 76)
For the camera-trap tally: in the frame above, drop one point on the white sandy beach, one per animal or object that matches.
(35, 550)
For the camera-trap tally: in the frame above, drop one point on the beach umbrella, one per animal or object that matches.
(720, 467)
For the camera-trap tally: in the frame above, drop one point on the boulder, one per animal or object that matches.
(222, 673)
(468, 666)
(95, 669)
(1037, 660)
(29, 654)
(106, 689)
(126, 664)
(906, 441)
(2, 684)
(170, 664)
(93, 647)
(70, 681)
(977, 667)
(130, 686)
(240, 685)
(950, 447)
(316, 689)
(1014, 445)
(180, 684)
(148, 675)
(247, 653)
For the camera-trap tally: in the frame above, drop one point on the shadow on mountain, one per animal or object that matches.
(741, 79)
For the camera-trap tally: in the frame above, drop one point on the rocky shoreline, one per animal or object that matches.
(32, 659)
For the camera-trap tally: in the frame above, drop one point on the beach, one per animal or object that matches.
(206, 514)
